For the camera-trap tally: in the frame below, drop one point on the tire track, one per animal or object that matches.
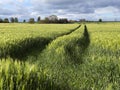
(29, 46)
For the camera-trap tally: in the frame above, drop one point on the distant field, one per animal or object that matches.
(22, 37)
(20, 31)
(60, 57)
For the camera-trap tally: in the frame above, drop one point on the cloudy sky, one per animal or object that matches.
(71, 9)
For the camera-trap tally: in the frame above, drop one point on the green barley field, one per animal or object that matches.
(60, 56)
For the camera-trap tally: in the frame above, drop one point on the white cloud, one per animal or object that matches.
(107, 10)
(72, 9)
(20, 0)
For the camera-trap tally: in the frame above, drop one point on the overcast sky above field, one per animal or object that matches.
(71, 9)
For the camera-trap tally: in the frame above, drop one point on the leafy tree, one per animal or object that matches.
(64, 20)
(71, 21)
(46, 20)
(16, 19)
(38, 20)
(100, 20)
(24, 21)
(31, 20)
(1, 20)
(53, 18)
(6, 20)
(12, 20)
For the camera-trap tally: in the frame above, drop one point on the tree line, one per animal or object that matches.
(6, 20)
(49, 19)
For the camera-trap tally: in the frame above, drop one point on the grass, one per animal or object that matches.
(13, 39)
(85, 59)
(16, 75)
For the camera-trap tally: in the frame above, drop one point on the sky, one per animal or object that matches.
(108, 10)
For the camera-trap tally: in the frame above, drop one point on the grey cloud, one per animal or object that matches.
(12, 8)
(80, 6)
(63, 8)
(75, 7)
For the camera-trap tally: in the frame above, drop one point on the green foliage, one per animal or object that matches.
(25, 47)
(1, 20)
(6, 20)
(100, 20)
(16, 20)
(15, 75)
(21, 46)
(84, 58)
(12, 20)
(38, 20)
(100, 59)
(31, 20)
(24, 21)
(63, 20)
(76, 49)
